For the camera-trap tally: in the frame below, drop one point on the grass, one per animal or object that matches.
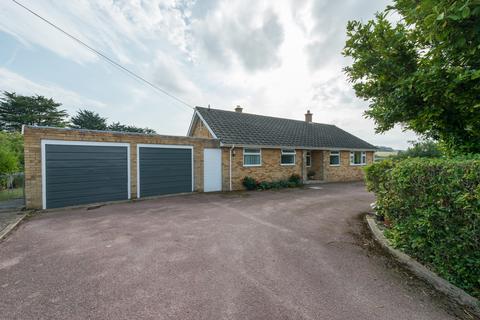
(10, 194)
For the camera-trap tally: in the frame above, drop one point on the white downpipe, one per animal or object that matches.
(230, 167)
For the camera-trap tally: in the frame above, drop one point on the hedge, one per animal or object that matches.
(434, 209)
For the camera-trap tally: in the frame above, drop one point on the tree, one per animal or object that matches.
(421, 149)
(12, 142)
(422, 72)
(8, 161)
(17, 110)
(86, 119)
(117, 126)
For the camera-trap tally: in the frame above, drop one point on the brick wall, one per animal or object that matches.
(270, 170)
(344, 172)
(200, 130)
(32, 147)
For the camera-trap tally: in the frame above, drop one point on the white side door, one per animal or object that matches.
(212, 170)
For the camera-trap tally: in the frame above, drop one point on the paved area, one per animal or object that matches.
(12, 204)
(290, 254)
(8, 216)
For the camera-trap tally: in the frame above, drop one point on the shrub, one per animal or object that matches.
(250, 183)
(296, 179)
(434, 209)
(264, 185)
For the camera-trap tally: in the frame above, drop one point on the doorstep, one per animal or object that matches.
(313, 181)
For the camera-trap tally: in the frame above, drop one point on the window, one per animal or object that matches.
(308, 158)
(334, 158)
(288, 157)
(252, 157)
(358, 158)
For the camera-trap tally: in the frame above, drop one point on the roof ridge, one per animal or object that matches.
(261, 115)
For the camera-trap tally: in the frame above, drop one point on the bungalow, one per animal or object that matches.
(270, 148)
(67, 167)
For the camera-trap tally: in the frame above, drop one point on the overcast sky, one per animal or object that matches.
(277, 58)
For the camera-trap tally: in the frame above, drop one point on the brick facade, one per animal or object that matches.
(271, 169)
(33, 166)
(200, 130)
(345, 171)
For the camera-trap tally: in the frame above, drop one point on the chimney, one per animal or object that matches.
(238, 109)
(308, 116)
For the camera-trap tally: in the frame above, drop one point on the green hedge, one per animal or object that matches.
(434, 209)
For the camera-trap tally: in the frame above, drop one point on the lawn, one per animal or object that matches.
(10, 194)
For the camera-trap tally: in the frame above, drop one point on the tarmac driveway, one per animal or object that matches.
(290, 254)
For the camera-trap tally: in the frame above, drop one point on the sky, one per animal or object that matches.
(278, 58)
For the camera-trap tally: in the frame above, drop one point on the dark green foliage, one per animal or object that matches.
(249, 183)
(117, 126)
(17, 110)
(421, 149)
(422, 72)
(86, 119)
(295, 178)
(434, 209)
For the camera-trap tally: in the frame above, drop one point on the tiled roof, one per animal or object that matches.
(256, 130)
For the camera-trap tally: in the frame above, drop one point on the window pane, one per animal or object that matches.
(288, 159)
(308, 159)
(251, 151)
(357, 157)
(288, 151)
(334, 158)
(251, 159)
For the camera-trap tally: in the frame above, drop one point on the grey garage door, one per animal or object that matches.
(81, 174)
(164, 170)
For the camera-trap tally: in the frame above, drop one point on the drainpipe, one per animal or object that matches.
(230, 167)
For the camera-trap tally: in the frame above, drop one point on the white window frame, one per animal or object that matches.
(334, 153)
(164, 146)
(259, 153)
(308, 155)
(45, 142)
(363, 158)
(288, 152)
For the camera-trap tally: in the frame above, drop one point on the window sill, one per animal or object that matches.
(358, 164)
(287, 164)
(334, 165)
(252, 165)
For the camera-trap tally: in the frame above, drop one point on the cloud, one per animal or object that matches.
(11, 81)
(235, 31)
(276, 58)
(328, 32)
